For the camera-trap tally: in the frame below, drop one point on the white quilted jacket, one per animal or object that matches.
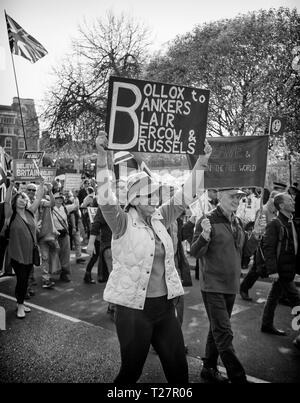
(133, 255)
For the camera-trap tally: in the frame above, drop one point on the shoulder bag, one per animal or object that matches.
(36, 259)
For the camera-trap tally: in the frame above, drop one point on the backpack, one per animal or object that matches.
(259, 257)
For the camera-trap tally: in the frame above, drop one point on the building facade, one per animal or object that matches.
(11, 130)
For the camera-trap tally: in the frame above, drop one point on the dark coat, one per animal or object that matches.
(287, 262)
(221, 256)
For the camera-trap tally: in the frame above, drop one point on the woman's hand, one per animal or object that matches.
(101, 141)
(207, 149)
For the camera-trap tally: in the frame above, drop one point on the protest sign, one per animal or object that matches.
(147, 116)
(72, 181)
(92, 212)
(48, 174)
(34, 155)
(235, 162)
(25, 170)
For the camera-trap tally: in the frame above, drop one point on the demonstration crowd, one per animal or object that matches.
(137, 241)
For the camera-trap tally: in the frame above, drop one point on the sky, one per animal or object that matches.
(55, 22)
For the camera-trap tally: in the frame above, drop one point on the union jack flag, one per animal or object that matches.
(23, 44)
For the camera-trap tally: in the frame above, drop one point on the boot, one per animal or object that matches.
(88, 279)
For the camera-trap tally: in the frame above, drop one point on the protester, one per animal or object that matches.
(5, 213)
(47, 238)
(248, 207)
(87, 202)
(74, 232)
(100, 245)
(282, 268)
(81, 195)
(22, 236)
(31, 189)
(270, 212)
(60, 219)
(221, 241)
(212, 195)
(144, 280)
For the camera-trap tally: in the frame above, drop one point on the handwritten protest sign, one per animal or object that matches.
(27, 170)
(236, 162)
(72, 181)
(147, 116)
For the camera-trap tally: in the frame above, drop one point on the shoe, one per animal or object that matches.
(27, 295)
(272, 330)
(101, 280)
(213, 375)
(65, 278)
(31, 293)
(48, 284)
(88, 279)
(25, 307)
(80, 260)
(245, 296)
(21, 312)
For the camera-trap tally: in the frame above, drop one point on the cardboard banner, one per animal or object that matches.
(72, 181)
(235, 162)
(27, 170)
(146, 116)
(34, 155)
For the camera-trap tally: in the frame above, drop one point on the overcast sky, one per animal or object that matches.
(54, 22)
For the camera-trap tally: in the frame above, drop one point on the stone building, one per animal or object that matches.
(11, 130)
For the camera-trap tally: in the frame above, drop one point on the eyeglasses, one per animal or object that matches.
(31, 190)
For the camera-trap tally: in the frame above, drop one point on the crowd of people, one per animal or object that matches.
(137, 241)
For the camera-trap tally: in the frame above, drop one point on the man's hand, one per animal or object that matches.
(274, 276)
(259, 226)
(207, 149)
(206, 226)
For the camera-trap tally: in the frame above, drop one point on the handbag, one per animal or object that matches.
(36, 259)
(62, 232)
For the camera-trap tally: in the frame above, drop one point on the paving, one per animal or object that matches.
(69, 337)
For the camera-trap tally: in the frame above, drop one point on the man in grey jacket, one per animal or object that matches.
(220, 241)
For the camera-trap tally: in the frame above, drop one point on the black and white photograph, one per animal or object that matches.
(150, 195)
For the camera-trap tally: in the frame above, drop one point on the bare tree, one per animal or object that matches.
(76, 105)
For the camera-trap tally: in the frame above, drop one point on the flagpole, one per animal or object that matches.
(16, 81)
(19, 100)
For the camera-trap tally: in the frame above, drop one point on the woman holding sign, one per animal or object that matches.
(144, 280)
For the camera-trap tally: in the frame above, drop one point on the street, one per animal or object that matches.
(69, 337)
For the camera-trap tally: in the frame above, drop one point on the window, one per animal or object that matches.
(20, 155)
(21, 144)
(8, 142)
